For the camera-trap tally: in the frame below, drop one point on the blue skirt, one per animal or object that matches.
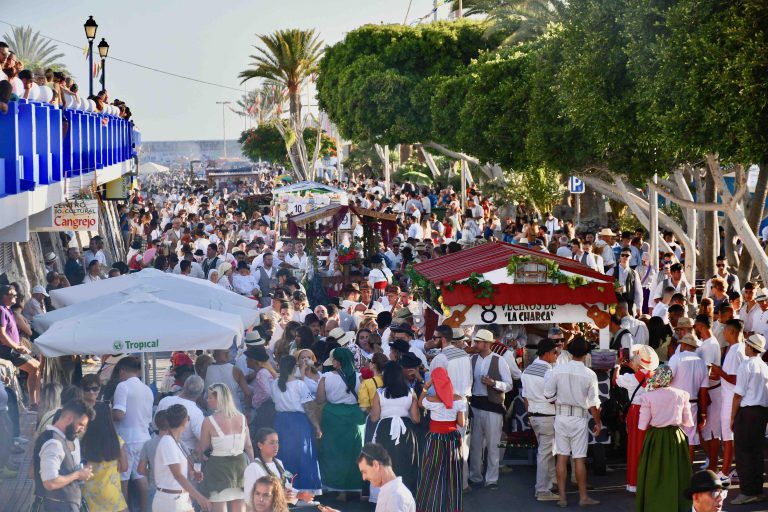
(297, 450)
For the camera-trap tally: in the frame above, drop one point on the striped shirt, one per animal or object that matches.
(533, 379)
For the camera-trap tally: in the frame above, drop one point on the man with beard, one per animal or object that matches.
(57, 463)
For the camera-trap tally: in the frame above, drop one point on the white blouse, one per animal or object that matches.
(296, 394)
(439, 412)
(336, 389)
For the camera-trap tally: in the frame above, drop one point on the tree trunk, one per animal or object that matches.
(299, 149)
(405, 152)
(754, 217)
(736, 213)
(711, 235)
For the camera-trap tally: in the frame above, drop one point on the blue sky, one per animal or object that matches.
(208, 40)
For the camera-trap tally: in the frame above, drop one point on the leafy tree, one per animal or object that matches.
(266, 143)
(288, 58)
(373, 83)
(35, 51)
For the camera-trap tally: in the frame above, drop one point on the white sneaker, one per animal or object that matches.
(721, 476)
(632, 488)
(547, 496)
(734, 477)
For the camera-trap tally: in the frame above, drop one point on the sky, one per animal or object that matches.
(206, 40)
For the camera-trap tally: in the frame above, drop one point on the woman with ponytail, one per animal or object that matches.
(296, 428)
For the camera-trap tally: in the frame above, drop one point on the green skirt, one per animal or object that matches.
(664, 471)
(343, 427)
(221, 473)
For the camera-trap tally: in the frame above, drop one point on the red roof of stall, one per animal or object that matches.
(491, 256)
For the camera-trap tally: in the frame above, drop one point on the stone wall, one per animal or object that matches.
(23, 262)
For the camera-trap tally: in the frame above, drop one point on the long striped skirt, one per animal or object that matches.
(297, 450)
(441, 474)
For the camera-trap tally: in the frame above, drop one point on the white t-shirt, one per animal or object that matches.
(296, 394)
(394, 495)
(336, 389)
(709, 351)
(135, 399)
(733, 359)
(253, 472)
(168, 452)
(191, 434)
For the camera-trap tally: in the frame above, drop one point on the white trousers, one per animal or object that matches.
(486, 434)
(544, 428)
(166, 502)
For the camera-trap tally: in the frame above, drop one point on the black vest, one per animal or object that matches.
(629, 287)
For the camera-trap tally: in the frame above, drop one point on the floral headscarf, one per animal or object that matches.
(661, 378)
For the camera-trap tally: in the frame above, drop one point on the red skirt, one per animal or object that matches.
(635, 438)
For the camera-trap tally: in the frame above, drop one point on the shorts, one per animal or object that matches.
(712, 428)
(16, 358)
(726, 400)
(133, 454)
(693, 432)
(166, 502)
(571, 436)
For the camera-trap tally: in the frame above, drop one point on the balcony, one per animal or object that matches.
(43, 162)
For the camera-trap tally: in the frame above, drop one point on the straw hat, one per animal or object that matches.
(647, 357)
(342, 337)
(690, 339)
(606, 232)
(484, 335)
(757, 342)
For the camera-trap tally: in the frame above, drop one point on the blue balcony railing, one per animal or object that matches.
(37, 148)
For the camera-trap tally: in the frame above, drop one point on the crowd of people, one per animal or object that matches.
(354, 396)
(48, 86)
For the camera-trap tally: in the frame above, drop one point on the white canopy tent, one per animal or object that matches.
(248, 317)
(150, 168)
(172, 284)
(139, 324)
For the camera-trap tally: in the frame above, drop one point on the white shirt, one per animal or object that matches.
(191, 434)
(253, 472)
(749, 316)
(752, 382)
(636, 328)
(394, 259)
(168, 452)
(482, 366)
(660, 310)
(244, 285)
(336, 389)
(395, 496)
(629, 382)
(195, 270)
(415, 231)
(552, 225)
(439, 412)
(52, 455)
(296, 394)
(689, 373)
(709, 352)
(573, 384)
(379, 274)
(533, 379)
(297, 261)
(587, 258)
(458, 366)
(733, 359)
(89, 256)
(135, 399)
(564, 252)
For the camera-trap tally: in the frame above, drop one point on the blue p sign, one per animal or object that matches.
(575, 185)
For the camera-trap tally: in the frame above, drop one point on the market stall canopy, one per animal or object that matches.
(335, 213)
(309, 186)
(141, 323)
(149, 168)
(334, 210)
(248, 316)
(159, 280)
(497, 282)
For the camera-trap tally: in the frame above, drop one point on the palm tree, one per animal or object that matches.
(288, 58)
(35, 51)
(518, 20)
(261, 104)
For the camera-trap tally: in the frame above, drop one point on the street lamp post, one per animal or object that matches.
(90, 27)
(224, 125)
(103, 51)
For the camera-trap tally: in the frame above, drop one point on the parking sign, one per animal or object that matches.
(575, 185)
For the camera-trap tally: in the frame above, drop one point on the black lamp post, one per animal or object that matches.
(103, 50)
(90, 27)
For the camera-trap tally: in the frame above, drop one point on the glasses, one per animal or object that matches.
(718, 493)
(625, 255)
(720, 265)
(94, 389)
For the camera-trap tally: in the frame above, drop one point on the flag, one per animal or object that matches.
(96, 67)
(85, 52)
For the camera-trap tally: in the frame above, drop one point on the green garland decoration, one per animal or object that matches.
(553, 271)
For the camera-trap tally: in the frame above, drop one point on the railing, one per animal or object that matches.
(38, 148)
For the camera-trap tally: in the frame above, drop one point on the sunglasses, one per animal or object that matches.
(625, 255)
(720, 265)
